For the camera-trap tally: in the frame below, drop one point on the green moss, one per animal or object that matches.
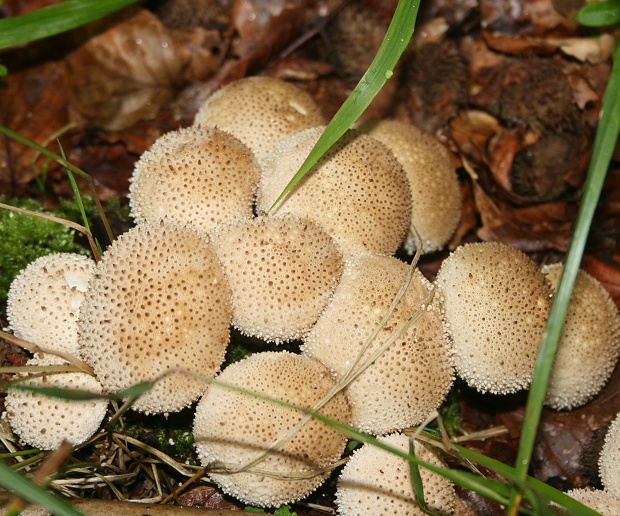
(24, 238)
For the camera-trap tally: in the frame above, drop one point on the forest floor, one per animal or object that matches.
(512, 87)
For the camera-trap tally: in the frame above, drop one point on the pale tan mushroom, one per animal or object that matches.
(378, 483)
(609, 461)
(282, 271)
(435, 190)
(44, 301)
(589, 345)
(158, 300)
(603, 502)
(260, 111)
(358, 192)
(413, 375)
(201, 176)
(233, 428)
(495, 305)
(44, 421)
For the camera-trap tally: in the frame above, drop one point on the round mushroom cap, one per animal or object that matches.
(282, 271)
(495, 305)
(377, 482)
(200, 176)
(413, 376)
(158, 300)
(435, 191)
(603, 502)
(609, 461)
(44, 421)
(44, 301)
(233, 428)
(357, 192)
(260, 111)
(590, 343)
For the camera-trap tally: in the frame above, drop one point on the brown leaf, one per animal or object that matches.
(33, 103)
(207, 497)
(502, 223)
(131, 70)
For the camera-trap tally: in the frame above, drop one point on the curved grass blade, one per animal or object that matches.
(63, 162)
(604, 144)
(55, 19)
(28, 490)
(598, 14)
(381, 69)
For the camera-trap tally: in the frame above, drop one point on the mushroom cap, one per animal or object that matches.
(44, 301)
(495, 303)
(603, 502)
(357, 192)
(260, 111)
(158, 300)
(282, 272)
(435, 191)
(589, 345)
(413, 376)
(200, 176)
(609, 461)
(233, 428)
(377, 482)
(44, 421)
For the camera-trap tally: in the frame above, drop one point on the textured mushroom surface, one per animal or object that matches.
(357, 192)
(495, 305)
(377, 482)
(590, 342)
(282, 271)
(201, 176)
(412, 377)
(44, 301)
(435, 190)
(44, 421)
(233, 428)
(158, 300)
(260, 111)
(603, 502)
(609, 461)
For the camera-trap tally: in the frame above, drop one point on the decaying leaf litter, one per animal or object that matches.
(465, 84)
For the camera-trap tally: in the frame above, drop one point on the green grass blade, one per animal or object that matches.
(70, 166)
(416, 481)
(28, 490)
(55, 19)
(396, 40)
(604, 144)
(597, 14)
(576, 508)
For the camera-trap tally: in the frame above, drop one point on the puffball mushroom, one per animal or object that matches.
(282, 271)
(377, 482)
(45, 422)
(495, 305)
(44, 301)
(602, 502)
(435, 190)
(158, 300)
(412, 377)
(233, 428)
(201, 176)
(358, 192)
(260, 111)
(609, 461)
(590, 342)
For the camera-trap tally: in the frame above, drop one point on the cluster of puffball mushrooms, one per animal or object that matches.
(381, 345)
